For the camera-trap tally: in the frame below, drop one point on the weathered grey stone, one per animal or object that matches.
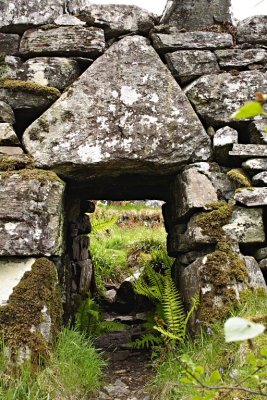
(256, 279)
(7, 135)
(63, 41)
(235, 58)
(187, 65)
(175, 40)
(253, 30)
(260, 179)
(18, 16)
(24, 96)
(187, 194)
(263, 264)
(9, 44)
(6, 113)
(119, 115)
(9, 67)
(246, 226)
(11, 150)
(86, 268)
(31, 213)
(57, 72)
(252, 197)
(191, 256)
(249, 150)
(257, 131)
(117, 19)
(80, 248)
(255, 164)
(194, 14)
(261, 254)
(223, 141)
(11, 272)
(68, 20)
(217, 97)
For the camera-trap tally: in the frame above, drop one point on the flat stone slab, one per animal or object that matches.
(260, 179)
(116, 19)
(11, 150)
(235, 58)
(223, 142)
(252, 197)
(253, 30)
(187, 65)
(11, 272)
(31, 213)
(175, 40)
(119, 116)
(249, 150)
(255, 164)
(6, 113)
(63, 41)
(257, 131)
(217, 97)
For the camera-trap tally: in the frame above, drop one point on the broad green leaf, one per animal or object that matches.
(264, 352)
(187, 381)
(215, 377)
(199, 369)
(236, 329)
(249, 110)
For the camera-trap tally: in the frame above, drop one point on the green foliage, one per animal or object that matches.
(73, 371)
(249, 110)
(89, 320)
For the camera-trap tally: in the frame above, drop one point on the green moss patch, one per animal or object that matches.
(20, 318)
(13, 163)
(240, 178)
(29, 87)
(34, 173)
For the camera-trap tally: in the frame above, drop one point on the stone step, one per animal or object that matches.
(256, 196)
(249, 150)
(255, 164)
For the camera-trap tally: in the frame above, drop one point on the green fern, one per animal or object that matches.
(146, 341)
(100, 225)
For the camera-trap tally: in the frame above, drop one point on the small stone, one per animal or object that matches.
(252, 197)
(223, 141)
(68, 20)
(256, 279)
(255, 164)
(253, 30)
(80, 248)
(257, 133)
(175, 40)
(110, 295)
(9, 67)
(63, 41)
(263, 264)
(238, 58)
(187, 65)
(6, 113)
(261, 254)
(191, 256)
(9, 43)
(249, 150)
(11, 151)
(260, 179)
(7, 135)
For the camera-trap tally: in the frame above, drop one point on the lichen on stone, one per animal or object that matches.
(29, 87)
(238, 176)
(22, 316)
(34, 173)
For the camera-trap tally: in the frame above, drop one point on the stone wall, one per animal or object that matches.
(102, 102)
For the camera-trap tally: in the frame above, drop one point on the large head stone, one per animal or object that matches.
(126, 113)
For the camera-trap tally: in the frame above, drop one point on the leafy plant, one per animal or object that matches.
(89, 320)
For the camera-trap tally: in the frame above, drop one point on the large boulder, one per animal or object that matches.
(116, 19)
(16, 16)
(196, 14)
(126, 112)
(217, 97)
(31, 213)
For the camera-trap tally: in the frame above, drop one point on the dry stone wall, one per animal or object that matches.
(105, 102)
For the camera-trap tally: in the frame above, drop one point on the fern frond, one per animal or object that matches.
(99, 225)
(146, 341)
(111, 326)
(195, 303)
(170, 335)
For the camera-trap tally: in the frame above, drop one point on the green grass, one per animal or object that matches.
(210, 351)
(121, 234)
(73, 372)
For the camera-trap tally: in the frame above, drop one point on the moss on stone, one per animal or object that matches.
(211, 222)
(29, 87)
(34, 173)
(21, 317)
(13, 163)
(238, 176)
